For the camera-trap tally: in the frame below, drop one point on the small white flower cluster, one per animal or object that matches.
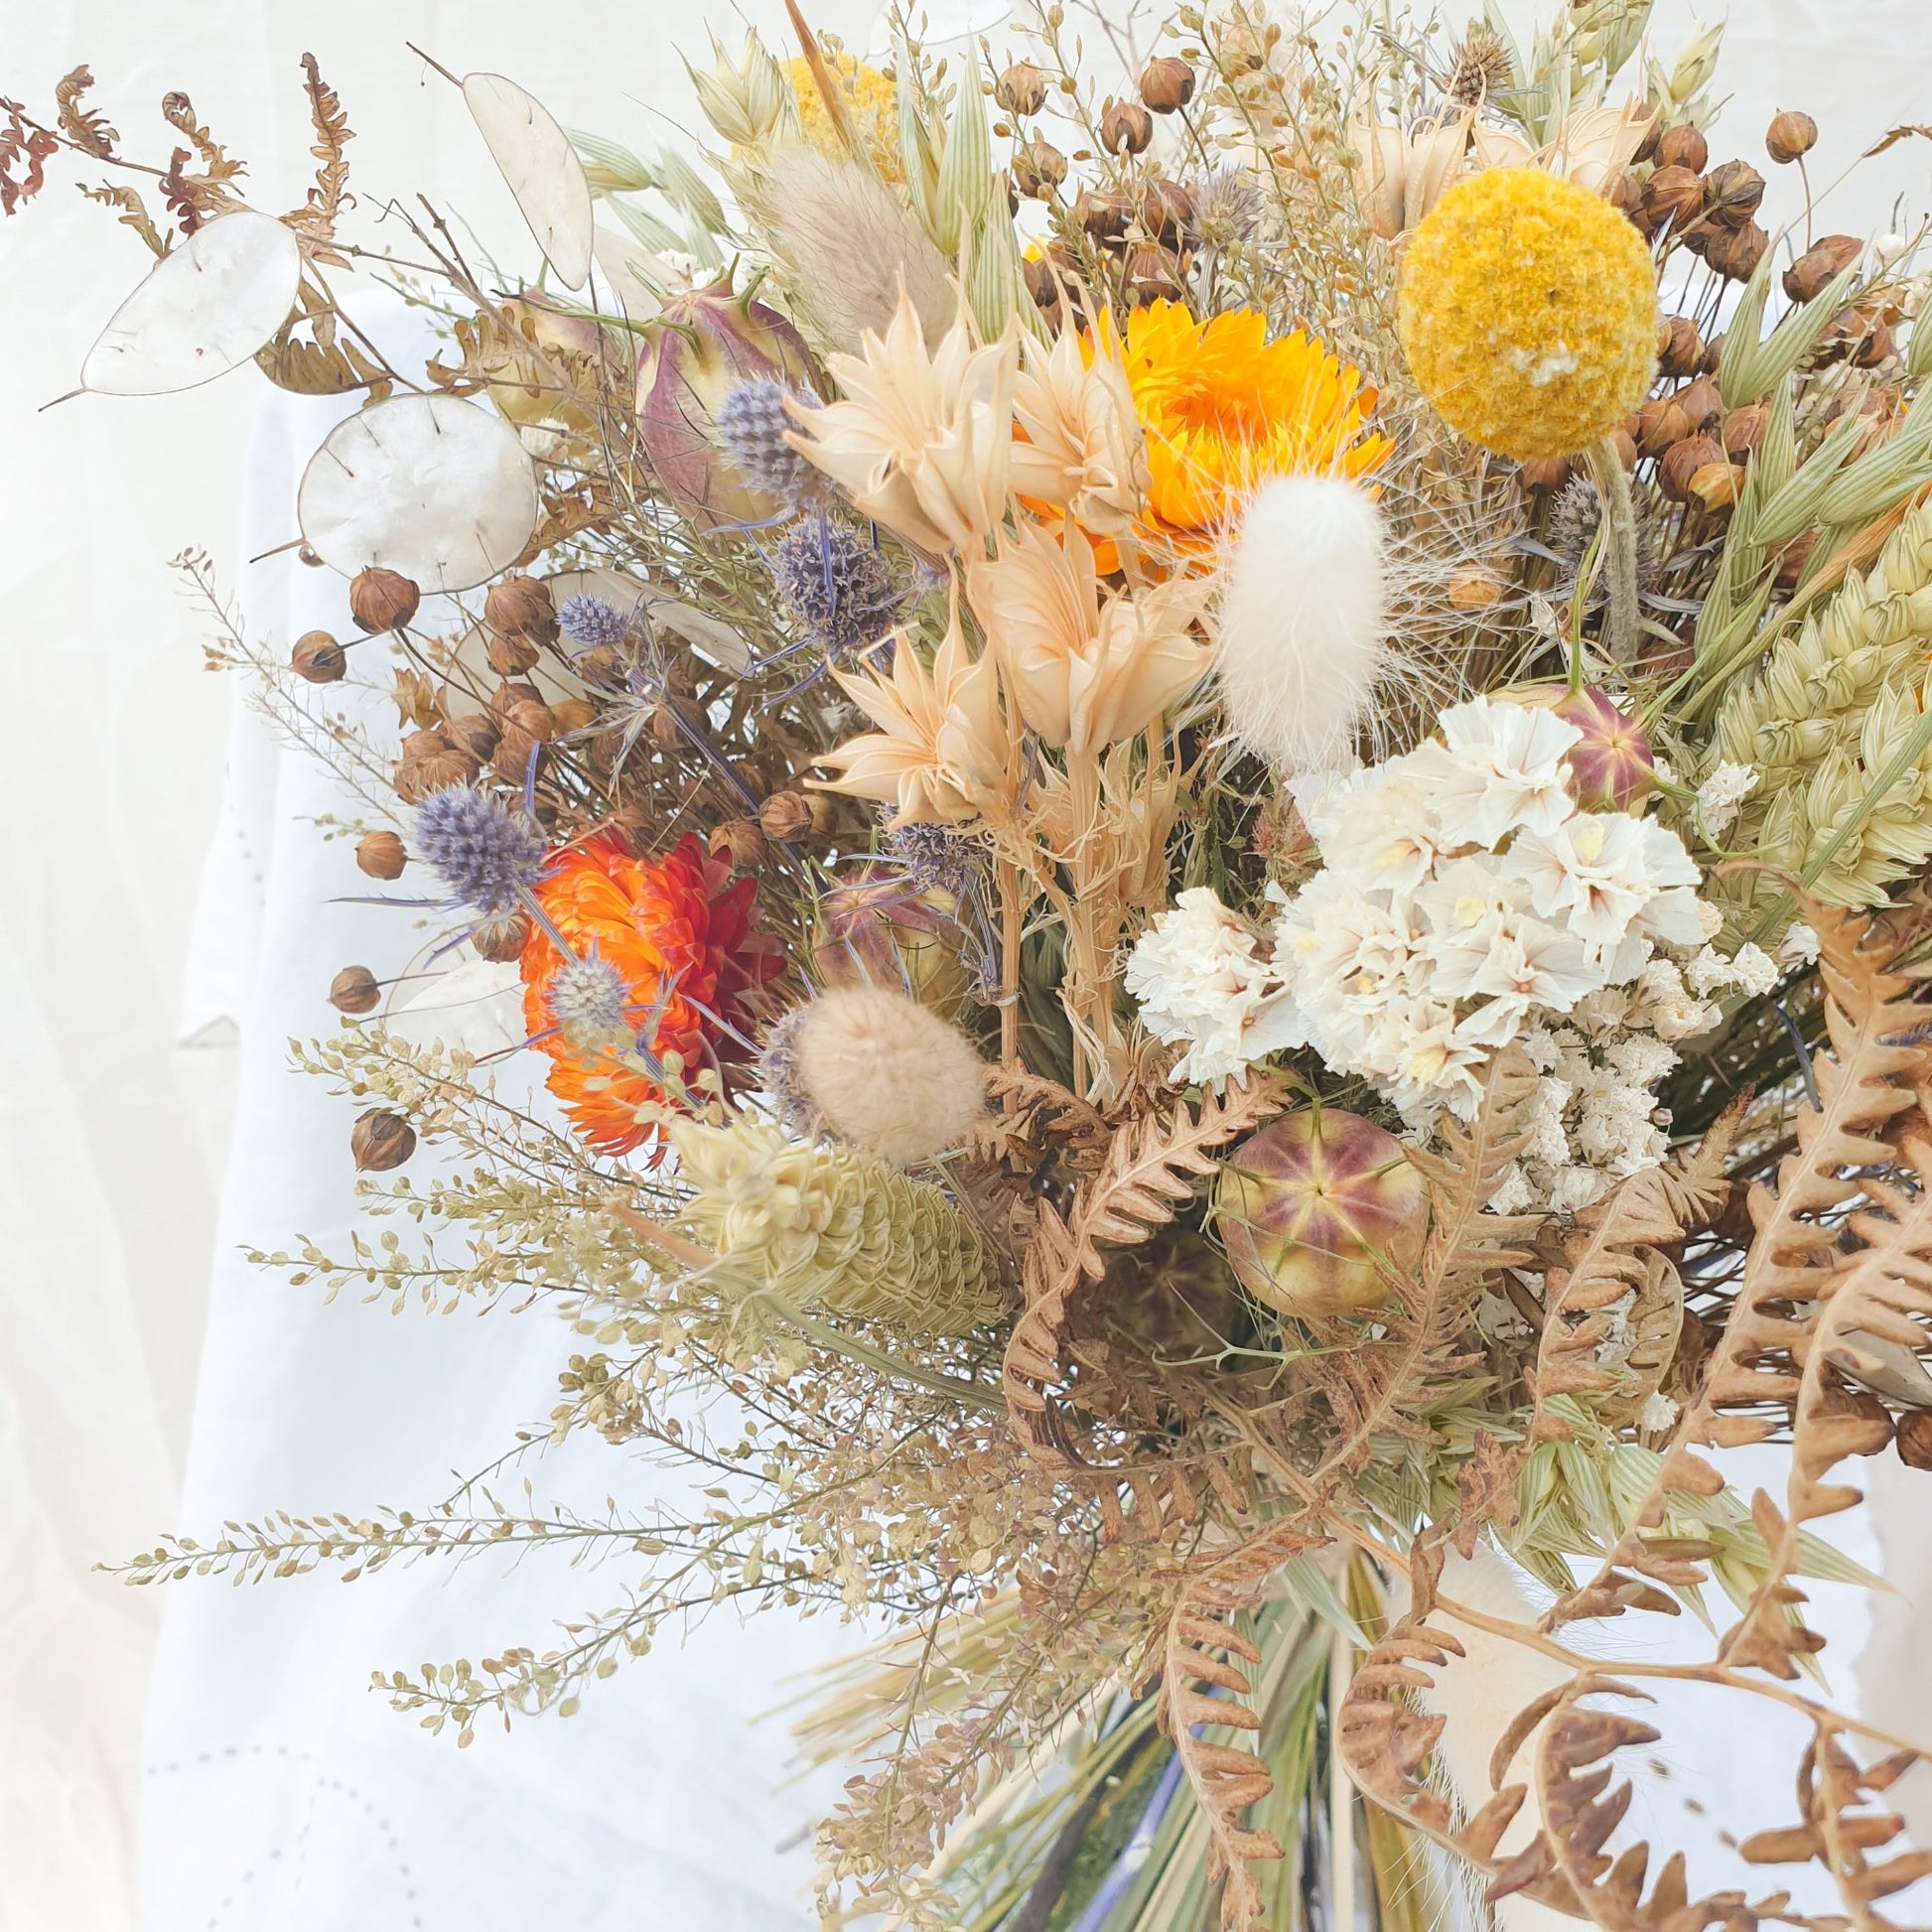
(1466, 902)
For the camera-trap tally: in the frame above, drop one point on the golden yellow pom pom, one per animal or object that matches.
(872, 98)
(1528, 311)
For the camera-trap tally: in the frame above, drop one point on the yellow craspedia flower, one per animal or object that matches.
(1224, 409)
(1528, 311)
(873, 99)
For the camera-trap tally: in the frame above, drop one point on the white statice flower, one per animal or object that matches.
(1514, 1197)
(1751, 970)
(1640, 1059)
(1575, 1188)
(1198, 976)
(1658, 1412)
(1504, 771)
(1799, 947)
(1668, 1007)
(1721, 795)
(1380, 828)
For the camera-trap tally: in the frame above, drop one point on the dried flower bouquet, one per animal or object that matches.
(1214, 849)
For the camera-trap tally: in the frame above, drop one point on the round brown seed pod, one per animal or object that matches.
(502, 940)
(509, 655)
(507, 697)
(380, 855)
(518, 606)
(354, 990)
(1102, 214)
(1714, 485)
(380, 1141)
(1040, 285)
(430, 762)
(1625, 194)
(1166, 85)
(1913, 1440)
(1680, 349)
(1125, 127)
(1545, 474)
(788, 815)
(1653, 132)
(1743, 431)
(1021, 89)
(1733, 194)
(1673, 197)
(1153, 275)
(475, 731)
(318, 658)
(742, 839)
(1681, 460)
(1661, 423)
(1701, 402)
(1038, 167)
(1683, 146)
(571, 715)
(1167, 210)
(382, 600)
(1790, 136)
(1820, 265)
(1734, 253)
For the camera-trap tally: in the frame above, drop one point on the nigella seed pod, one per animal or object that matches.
(382, 600)
(318, 658)
(1166, 85)
(380, 1141)
(1125, 127)
(354, 990)
(1320, 1214)
(705, 344)
(1611, 765)
(380, 855)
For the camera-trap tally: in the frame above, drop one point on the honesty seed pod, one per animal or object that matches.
(380, 1141)
(318, 658)
(1320, 1214)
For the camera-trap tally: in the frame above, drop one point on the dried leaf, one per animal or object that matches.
(23, 151)
(89, 132)
(315, 218)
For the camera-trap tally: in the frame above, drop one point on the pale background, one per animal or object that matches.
(120, 1072)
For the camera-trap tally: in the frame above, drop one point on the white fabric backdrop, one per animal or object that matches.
(279, 1792)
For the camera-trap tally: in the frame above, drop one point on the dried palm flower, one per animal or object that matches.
(826, 1228)
(921, 439)
(877, 1071)
(1086, 668)
(1303, 619)
(1083, 451)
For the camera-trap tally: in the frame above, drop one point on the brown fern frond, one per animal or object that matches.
(89, 132)
(179, 112)
(134, 212)
(25, 149)
(315, 218)
(1151, 1168)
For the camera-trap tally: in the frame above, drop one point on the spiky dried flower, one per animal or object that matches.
(1481, 67)
(593, 625)
(587, 998)
(488, 856)
(1228, 207)
(935, 855)
(752, 426)
(837, 586)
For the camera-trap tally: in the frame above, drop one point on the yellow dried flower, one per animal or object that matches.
(872, 98)
(1528, 311)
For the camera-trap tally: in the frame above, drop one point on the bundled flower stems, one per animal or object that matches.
(1205, 777)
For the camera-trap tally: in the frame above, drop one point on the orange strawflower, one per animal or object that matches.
(678, 936)
(1224, 408)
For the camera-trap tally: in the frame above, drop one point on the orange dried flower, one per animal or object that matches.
(678, 934)
(1224, 409)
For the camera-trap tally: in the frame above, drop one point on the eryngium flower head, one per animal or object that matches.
(590, 623)
(488, 856)
(753, 425)
(587, 997)
(934, 856)
(837, 586)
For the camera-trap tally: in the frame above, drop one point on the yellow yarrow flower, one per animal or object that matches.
(1224, 409)
(873, 99)
(1528, 311)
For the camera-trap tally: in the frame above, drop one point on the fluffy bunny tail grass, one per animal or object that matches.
(1303, 620)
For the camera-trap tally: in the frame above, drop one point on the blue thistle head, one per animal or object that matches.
(587, 998)
(488, 856)
(934, 856)
(590, 622)
(752, 425)
(837, 586)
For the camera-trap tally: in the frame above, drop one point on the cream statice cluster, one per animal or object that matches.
(1466, 901)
